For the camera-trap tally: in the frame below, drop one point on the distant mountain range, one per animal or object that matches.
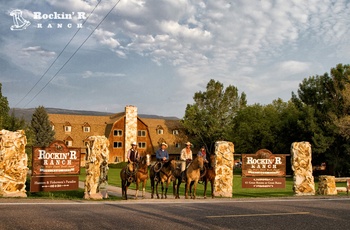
(26, 114)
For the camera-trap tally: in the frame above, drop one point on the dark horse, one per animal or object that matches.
(177, 180)
(165, 174)
(134, 172)
(209, 176)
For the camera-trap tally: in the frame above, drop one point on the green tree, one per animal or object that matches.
(209, 118)
(327, 98)
(41, 128)
(4, 110)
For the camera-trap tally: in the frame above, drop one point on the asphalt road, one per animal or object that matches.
(281, 213)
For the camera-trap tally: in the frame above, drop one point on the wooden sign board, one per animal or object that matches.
(54, 183)
(263, 164)
(57, 159)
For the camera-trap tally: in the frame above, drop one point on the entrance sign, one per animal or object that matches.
(255, 165)
(263, 170)
(56, 159)
(54, 183)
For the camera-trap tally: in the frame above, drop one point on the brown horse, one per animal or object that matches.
(209, 176)
(142, 175)
(127, 176)
(165, 174)
(193, 174)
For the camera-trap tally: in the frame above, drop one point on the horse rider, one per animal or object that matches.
(133, 155)
(186, 158)
(202, 153)
(162, 156)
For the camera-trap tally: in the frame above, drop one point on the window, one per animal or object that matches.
(118, 132)
(177, 145)
(175, 132)
(117, 144)
(69, 143)
(160, 131)
(141, 133)
(67, 128)
(53, 127)
(142, 145)
(86, 129)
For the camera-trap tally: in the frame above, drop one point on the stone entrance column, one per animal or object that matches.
(301, 164)
(223, 168)
(13, 163)
(96, 168)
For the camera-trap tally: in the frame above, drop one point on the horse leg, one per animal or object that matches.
(178, 188)
(143, 188)
(195, 189)
(188, 182)
(205, 188)
(166, 188)
(212, 188)
(157, 189)
(174, 186)
(137, 188)
(191, 189)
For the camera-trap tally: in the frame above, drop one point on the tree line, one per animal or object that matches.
(319, 113)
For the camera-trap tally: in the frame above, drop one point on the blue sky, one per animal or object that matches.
(156, 54)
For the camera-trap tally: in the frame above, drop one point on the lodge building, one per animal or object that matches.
(121, 129)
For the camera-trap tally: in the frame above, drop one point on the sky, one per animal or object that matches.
(156, 54)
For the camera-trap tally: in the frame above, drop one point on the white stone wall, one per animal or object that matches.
(130, 127)
(223, 168)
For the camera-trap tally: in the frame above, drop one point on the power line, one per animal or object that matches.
(72, 54)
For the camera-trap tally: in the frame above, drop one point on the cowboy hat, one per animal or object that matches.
(133, 143)
(165, 144)
(188, 143)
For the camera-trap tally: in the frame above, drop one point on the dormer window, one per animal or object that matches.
(160, 130)
(175, 132)
(68, 141)
(67, 127)
(86, 127)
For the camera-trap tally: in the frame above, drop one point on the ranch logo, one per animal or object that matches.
(51, 20)
(19, 23)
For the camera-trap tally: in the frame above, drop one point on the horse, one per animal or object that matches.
(209, 176)
(177, 180)
(193, 174)
(142, 175)
(127, 175)
(165, 174)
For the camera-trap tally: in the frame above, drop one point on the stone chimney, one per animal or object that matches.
(130, 132)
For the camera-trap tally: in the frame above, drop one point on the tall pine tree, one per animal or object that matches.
(41, 127)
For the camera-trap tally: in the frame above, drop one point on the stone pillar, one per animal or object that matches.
(302, 167)
(96, 168)
(130, 132)
(326, 185)
(223, 168)
(13, 163)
